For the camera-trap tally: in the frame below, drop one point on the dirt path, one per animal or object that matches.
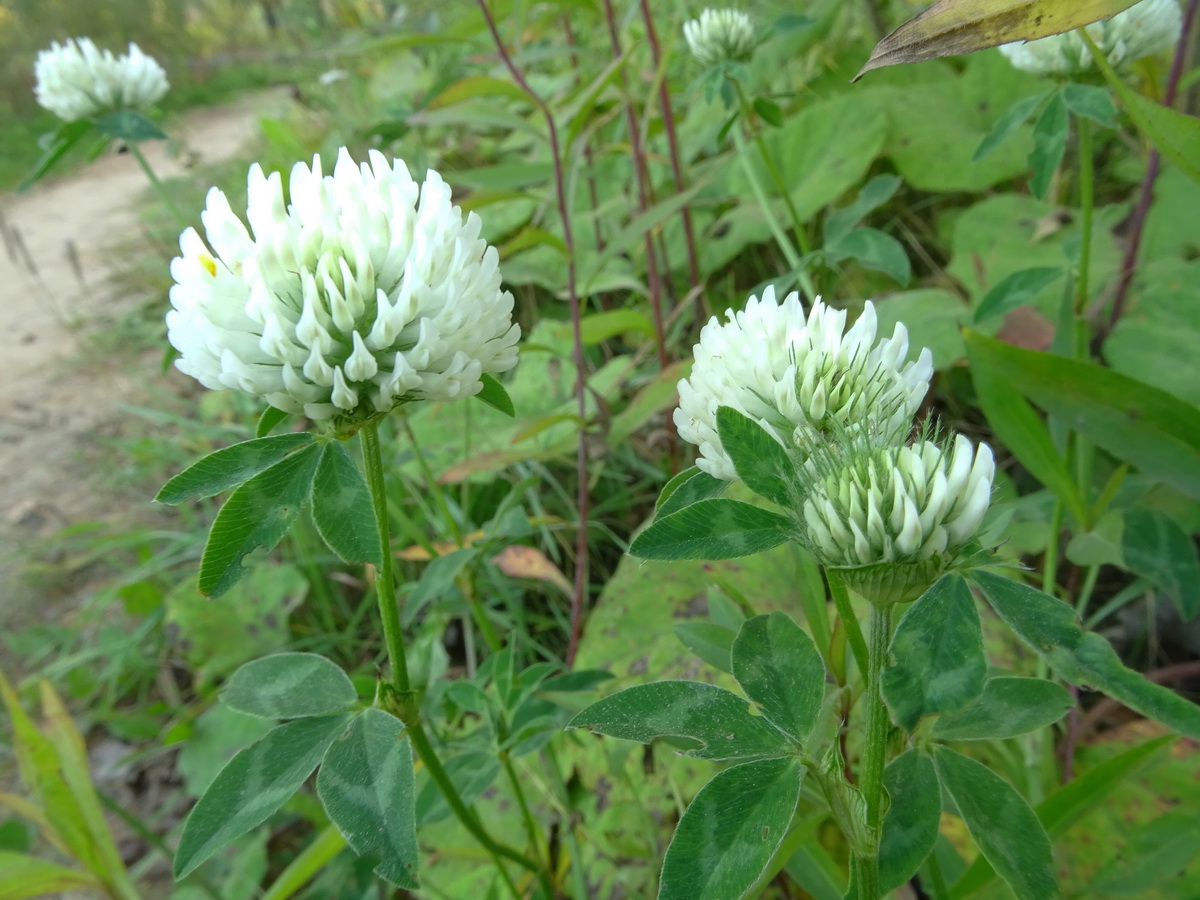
(53, 283)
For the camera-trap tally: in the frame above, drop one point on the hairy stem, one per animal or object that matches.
(400, 697)
(866, 866)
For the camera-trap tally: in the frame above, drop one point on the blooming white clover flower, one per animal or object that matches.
(720, 35)
(799, 378)
(366, 291)
(1141, 30)
(77, 80)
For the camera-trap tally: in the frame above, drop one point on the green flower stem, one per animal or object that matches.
(158, 186)
(866, 866)
(773, 171)
(403, 701)
(785, 245)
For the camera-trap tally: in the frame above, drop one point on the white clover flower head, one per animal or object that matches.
(77, 80)
(720, 35)
(1141, 30)
(366, 291)
(799, 378)
(878, 508)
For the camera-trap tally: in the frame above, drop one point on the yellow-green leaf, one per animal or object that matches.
(951, 27)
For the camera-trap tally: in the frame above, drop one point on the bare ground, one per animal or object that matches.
(54, 283)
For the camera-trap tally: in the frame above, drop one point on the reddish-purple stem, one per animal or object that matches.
(668, 114)
(581, 545)
(587, 147)
(642, 173)
(1138, 221)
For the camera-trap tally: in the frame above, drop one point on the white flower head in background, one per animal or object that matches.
(77, 80)
(720, 35)
(366, 291)
(876, 509)
(801, 378)
(1141, 30)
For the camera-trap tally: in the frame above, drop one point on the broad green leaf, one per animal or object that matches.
(1071, 802)
(1017, 289)
(57, 144)
(366, 786)
(131, 126)
(712, 529)
(709, 641)
(1175, 134)
(779, 668)
(1153, 430)
(768, 111)
(604, 325)
(936, 661)
(952, 27)
(760, 460)
(1156, 548)
(342, 508)
(873, 250)
(1014, 118)
(1084, 659)
(1049, 145)
(875, 193)
(706, 721)
(731, 830)
(1091, 102)
(910, 827)
(268, 420)
(289, 686)
(257, 514)
(495, 396)
(254, 784)
(933, 318)
(1008, 707)
(24, 876)
(688, 487)
(1008, 833)
(1024, 433)
(230, 466)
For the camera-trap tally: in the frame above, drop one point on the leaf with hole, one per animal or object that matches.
(776, 663)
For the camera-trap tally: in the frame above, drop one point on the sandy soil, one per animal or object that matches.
(53, 282)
